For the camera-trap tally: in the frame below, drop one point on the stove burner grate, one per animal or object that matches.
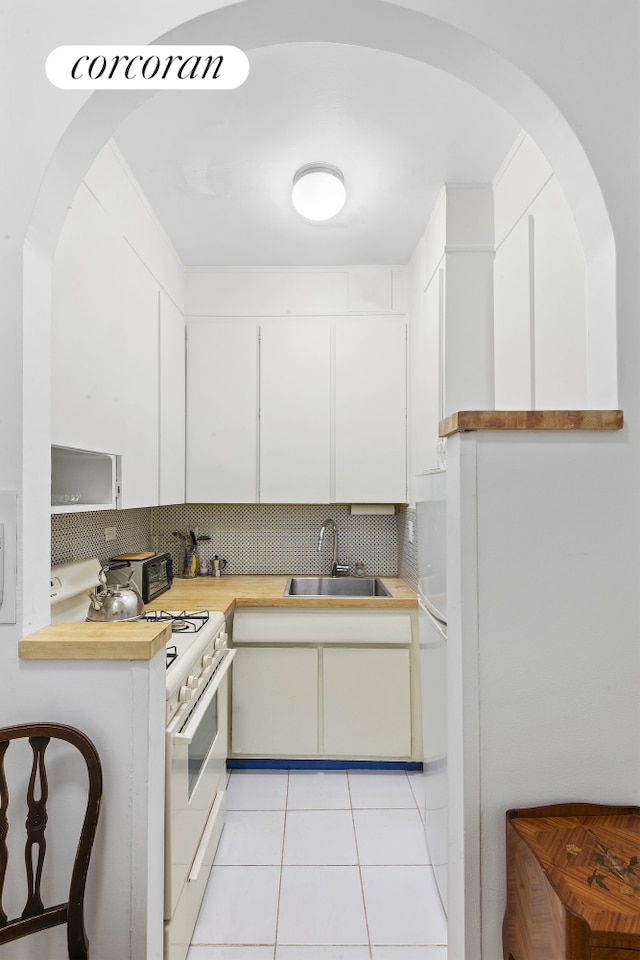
(184, 622)
(172, 654)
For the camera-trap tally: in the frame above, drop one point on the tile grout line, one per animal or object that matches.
(355, 839)
(284, 831)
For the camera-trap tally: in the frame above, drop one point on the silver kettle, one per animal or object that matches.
(115, 602)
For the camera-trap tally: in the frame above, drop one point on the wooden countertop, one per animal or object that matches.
(137, 640)
(226, 593)
(132, 640)
(530, 420)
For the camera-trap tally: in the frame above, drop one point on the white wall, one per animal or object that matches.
(543, 687)
(120, 705)
(541, 332)
(294, 291)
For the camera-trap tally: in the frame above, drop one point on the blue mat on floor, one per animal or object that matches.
(267, 764)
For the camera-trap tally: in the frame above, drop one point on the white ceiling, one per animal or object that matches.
(218, 167)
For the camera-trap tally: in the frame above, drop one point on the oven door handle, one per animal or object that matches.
(213, 823)
(187, 733)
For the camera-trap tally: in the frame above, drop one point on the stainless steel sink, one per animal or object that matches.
(335, 587)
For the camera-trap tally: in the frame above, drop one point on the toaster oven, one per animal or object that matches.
(152, 576)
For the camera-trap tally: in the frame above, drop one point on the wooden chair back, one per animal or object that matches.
(35, 915)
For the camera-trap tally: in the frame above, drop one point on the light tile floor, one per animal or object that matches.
(327, 865)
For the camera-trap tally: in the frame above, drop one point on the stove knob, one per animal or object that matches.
(207, 660)
(221, 642)
(185, 694)
(193, 682)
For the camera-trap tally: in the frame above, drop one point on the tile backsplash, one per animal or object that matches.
(253, 538)
(76, 536)
(267, 538)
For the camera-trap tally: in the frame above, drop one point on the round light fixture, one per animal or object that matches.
(318, 191)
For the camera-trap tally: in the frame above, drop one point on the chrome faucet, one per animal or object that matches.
(336, 568)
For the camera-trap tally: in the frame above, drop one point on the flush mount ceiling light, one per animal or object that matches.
(318, 191)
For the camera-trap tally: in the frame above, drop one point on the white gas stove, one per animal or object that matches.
(197, 648)
(196, 745)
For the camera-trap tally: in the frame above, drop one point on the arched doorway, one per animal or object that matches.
(383, 26)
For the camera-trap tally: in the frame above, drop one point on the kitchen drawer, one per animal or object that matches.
(356, 626)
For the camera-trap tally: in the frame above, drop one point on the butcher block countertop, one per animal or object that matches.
(138, 640)
(465, 420)
(134, 640)
(226, 593)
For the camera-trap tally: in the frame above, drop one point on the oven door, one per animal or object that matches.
(196, 754)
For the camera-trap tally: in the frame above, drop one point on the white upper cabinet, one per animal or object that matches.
(309, 367)
(295, 411)
(117, 352)
(135, 369)
(171, 403)
(222, 411)
(370, 410)
(105, 349)
(425, 374)
(87, 331)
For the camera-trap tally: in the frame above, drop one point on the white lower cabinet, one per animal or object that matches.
(275, 701)
(366, 700)
(311, 683)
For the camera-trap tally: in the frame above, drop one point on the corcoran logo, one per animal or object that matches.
(147, 68)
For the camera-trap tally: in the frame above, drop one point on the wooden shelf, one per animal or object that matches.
(465, 420)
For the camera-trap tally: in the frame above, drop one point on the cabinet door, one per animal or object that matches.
(171, 402)
(370, 411)
(104, 356)
(222, 398)
(295, 411)
(275, 702)
(366, 703)
(425, 376)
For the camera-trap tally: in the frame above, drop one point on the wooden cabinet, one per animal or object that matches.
(275, 702)
(312, 683)
(573, 883)
(296, 410)
(222, 411)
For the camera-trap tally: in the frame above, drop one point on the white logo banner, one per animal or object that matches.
(98, 67)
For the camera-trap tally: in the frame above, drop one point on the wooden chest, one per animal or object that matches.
(573, 883)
